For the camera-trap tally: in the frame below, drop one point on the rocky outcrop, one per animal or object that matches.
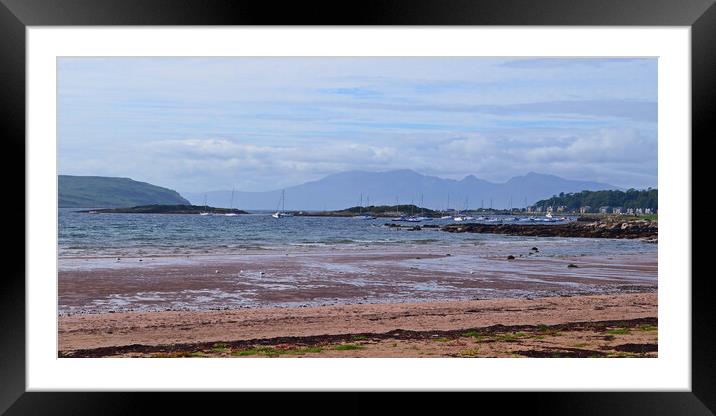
(597, 229)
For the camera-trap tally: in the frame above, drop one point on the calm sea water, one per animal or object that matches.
(86, 235)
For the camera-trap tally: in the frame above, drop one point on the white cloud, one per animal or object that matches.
(258, 123)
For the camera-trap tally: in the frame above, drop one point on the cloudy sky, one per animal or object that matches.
(200, 124)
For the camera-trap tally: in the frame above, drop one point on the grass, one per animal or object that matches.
(511, 337)
(471, 352)
(647, 327)
(618, 331)
(220, 347)
(474, 334)
(275, 352)
(580, 345)
(348, 347)
(243, 353)
(547, 330)
(441, 339)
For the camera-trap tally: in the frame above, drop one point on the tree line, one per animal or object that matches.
(631, 198)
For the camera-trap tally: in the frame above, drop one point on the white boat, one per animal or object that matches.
(549, 214)
(446, 217)
(458, 219)
(206, 208)
(280, 213)
(231, 214)
(361, 215)
(364, 217)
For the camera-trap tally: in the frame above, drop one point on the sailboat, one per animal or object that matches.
(460, 217)
(206, 208)
(280, 213)
(467, 217)
(422, 216)
(447, 209)
(412, 218)
(361, 215)
(400, 216)
(232, 214)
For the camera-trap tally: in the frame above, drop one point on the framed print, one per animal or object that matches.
(409, 197)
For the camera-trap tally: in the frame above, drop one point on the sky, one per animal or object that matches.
(257, 124)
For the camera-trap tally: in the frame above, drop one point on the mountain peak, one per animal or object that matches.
(346, 189)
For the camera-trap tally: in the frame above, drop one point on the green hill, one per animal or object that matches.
(107, 192)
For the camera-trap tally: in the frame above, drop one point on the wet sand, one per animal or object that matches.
(324, 278)
(578, 326)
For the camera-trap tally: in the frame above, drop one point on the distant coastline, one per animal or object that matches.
(166, 209)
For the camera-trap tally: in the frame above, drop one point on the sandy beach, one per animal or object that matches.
(486, 300)
(583, 326)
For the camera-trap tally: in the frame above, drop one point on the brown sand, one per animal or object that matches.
(337, 324)
(324, 278)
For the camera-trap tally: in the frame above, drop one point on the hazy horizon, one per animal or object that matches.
(257, 124)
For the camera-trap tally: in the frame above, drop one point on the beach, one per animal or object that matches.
(409, 301)
(143, 285)
(575, 326)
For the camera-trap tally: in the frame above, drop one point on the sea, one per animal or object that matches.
(81, 234)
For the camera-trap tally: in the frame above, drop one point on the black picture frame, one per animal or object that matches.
(16, 15)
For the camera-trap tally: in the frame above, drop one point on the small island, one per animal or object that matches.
(374, 210)
(167, 209)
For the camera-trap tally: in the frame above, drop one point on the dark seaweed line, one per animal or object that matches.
(313, 340)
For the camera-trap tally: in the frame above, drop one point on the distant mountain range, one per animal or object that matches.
(344, 189)
(108, 192)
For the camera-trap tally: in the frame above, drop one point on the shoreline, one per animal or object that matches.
(309, 279)
(510, 325)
